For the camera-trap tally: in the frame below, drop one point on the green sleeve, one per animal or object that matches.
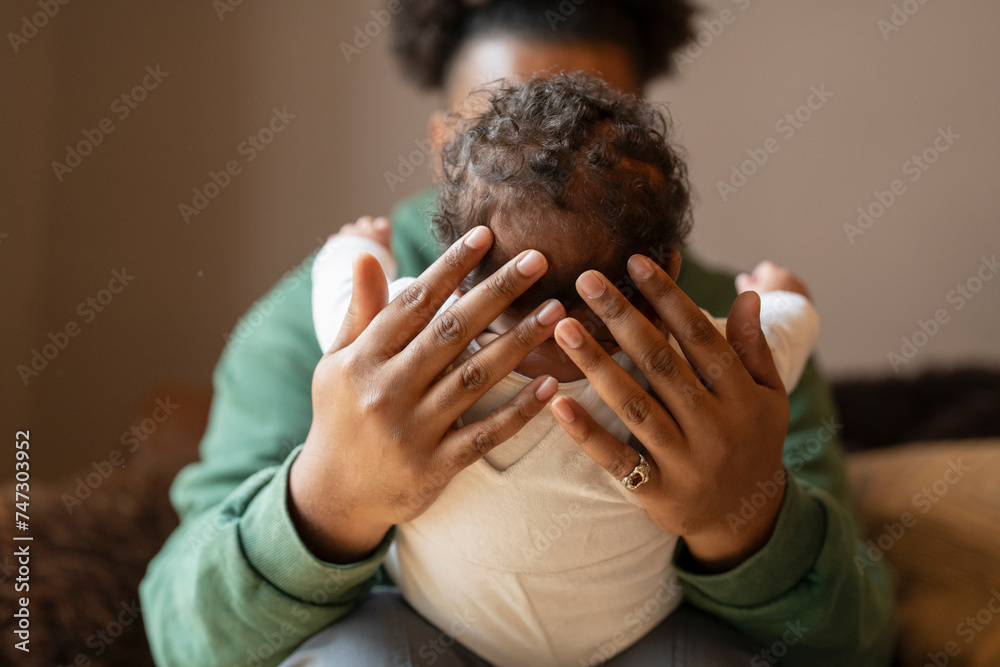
(234, 584)
(802, 594)
(806, 573)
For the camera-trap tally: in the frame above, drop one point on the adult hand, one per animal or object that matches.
(709, 444)
(383, 442)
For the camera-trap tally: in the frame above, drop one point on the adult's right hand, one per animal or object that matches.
(383, 442)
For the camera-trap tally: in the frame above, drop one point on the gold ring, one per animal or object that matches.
(638, 476)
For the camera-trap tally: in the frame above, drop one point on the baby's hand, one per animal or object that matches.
(376, 229)
(769, 277)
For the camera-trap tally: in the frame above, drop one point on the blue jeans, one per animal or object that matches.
(384, 631)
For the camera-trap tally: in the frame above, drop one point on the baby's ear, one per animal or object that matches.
(673, 265)
(437, 130)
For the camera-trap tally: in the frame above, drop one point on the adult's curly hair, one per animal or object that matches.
(567, 165)
(428, 33)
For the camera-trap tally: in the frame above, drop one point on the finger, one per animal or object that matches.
(705, 348)
(465, 384)
(449, 334)
(368, 297)
(642, 414)
(668, 373)
(618, 458)
(410, 312)
(466, 445)
(747, 339)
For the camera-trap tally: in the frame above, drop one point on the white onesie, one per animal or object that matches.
(535, 555)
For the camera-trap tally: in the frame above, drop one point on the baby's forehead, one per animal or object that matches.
(570, 241)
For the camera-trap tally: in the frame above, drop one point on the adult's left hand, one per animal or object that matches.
(709, 444)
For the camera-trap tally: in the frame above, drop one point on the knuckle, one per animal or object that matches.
(450, 326)
(522, 413)
(590, 361)
(523, 335)
(504, 284)
(694, 394)
(454, 259)
(700, 331)
(663, 290)
(474, 376)
(614, 308)
(483, 442)
(416, 297)
(618, 466)
(660, 360)
(636, 408)
(375, 402)
(352, 366)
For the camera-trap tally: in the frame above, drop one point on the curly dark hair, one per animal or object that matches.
(564, 164)
(428, 33)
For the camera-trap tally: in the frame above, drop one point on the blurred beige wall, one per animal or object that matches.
(225, 75)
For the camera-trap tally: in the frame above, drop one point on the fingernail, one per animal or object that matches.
(551, 313)
(562, 411)
(640, 267)
(591, 285)
(570, 335)
(532, 262)
(546, 390)
(478, 238)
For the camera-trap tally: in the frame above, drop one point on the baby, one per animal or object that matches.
(534, 552)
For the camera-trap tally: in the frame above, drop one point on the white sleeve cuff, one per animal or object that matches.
(791, 325)
(332, 281)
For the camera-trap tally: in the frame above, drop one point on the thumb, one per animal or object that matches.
(368, 298)
(745, 335)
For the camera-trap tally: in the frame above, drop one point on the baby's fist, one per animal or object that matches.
(377, 229)
(769, 277)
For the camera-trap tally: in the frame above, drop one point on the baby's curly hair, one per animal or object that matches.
(428, 33)
(567, 165)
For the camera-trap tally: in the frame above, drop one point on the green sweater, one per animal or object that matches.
(234, 584)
